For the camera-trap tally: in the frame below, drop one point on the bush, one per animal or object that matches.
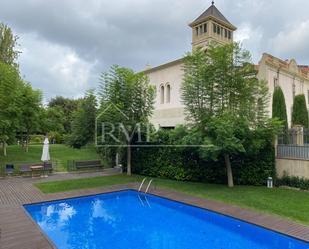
(37, 139)
(293, 181)
(186, 164)
(55, 136)
(300, 112)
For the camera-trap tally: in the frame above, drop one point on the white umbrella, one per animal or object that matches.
(45, 155)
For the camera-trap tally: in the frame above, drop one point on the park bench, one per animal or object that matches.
(88, 164)
(28, 168)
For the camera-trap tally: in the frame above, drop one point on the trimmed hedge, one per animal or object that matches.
(185, 164)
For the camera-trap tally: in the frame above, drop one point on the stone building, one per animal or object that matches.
(211, 27)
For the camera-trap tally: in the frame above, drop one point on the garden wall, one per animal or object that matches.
(292, 167)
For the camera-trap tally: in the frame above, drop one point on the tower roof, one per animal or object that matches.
(212, 12)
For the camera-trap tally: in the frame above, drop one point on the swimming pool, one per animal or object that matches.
(126, 219)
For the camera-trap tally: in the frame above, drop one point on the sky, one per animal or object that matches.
(67, 44)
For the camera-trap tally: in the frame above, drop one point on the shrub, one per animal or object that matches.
(186, 164)
(279, 106)
(300, 113)
(292, 181)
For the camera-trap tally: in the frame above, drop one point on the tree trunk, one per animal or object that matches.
(229, 170)
(4, 148)
(27, 141)
(129, 160)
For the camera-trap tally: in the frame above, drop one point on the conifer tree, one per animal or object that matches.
(300, 112)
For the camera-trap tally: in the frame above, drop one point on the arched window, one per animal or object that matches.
(168, 93)
(162, 94)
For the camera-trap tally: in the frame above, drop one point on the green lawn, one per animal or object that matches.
(290, 204)
(59, 153)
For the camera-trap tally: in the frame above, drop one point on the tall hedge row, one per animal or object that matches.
(185, 164)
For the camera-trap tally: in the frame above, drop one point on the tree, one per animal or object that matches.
(29, 102)
(10, 82)
(131, 99)
(83, 125)
(8, 44)
(279, 108)
(223, 99)
(68, 106)
(300, 112)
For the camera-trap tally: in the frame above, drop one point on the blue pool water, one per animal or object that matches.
(126, 220)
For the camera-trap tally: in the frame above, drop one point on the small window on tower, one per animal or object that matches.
(214, 28)
(230, 34)
(225, 33)
(218, 30)
(196, 30)
(205, 27)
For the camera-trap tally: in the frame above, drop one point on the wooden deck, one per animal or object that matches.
(17, 230)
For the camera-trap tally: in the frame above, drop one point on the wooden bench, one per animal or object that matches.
(88, 164)
(26, 168)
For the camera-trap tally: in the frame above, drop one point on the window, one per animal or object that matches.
(201, 29)
(162, 94)
(225, 33)
(168, 93)
(196, 30)
(218, 30)
(214, 28)
(275, 82)
(205, 27)
(230, 34)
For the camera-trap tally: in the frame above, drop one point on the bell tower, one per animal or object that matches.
(211, 27)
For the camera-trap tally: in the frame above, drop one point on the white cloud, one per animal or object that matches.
(293, 41)
(251, 38)
(57, 70)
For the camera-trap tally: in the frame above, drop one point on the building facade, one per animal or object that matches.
(211, 27)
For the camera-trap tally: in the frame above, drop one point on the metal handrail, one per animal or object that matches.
(140, 186)
(148, 186)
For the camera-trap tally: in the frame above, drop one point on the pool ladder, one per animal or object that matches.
(148, 186)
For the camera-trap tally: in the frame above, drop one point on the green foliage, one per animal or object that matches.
(68, 107)
(189, 163)
(224, 101)
(279, 107)
(10, 84)
(29, 102)
(293, 181)
(126, 102)
(300, 112)
(8, 44)
(83, 125)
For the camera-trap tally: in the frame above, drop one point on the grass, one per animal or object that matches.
(286, 203)
(58, 153)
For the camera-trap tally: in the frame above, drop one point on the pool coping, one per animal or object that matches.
(270, 222)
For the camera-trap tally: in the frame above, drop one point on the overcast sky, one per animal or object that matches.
(66, 44)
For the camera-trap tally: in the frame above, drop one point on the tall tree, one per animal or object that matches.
(83, 125)
(68, 106)
(300, 112)
(223, 98)
(8, 44)
(279, 107)
(131, 98)
(29, 102)
(9, 84)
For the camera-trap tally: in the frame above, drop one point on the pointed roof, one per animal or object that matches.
(212, 12)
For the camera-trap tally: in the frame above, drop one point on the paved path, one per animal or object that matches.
(18, 231)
